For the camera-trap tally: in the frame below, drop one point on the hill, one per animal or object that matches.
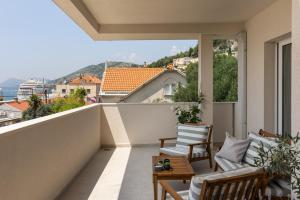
(11, 83)
(162, 62)
(95, 70)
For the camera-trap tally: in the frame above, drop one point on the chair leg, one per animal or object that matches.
(210, 162)
(163, 194)
(216, 167)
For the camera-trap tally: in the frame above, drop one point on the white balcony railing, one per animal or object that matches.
(41, 156)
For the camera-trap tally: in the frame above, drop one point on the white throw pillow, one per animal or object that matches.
(234, 149)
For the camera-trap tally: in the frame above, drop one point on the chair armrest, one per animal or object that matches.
(162, 140)
(199, 143)
(166, 186)
(191, 147)
(171, 138)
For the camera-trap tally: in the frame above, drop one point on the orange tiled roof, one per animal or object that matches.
(127, 79)
(21, 105)
(86, 79)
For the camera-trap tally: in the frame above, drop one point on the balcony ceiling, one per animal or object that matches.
(160, 19)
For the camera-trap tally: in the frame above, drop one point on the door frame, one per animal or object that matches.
(278, 84)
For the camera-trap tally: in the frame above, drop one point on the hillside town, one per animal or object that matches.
(138, 84)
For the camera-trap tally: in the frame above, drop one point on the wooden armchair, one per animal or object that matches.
(246, 186)
(194, 142)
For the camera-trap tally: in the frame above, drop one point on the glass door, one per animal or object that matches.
(284, 87)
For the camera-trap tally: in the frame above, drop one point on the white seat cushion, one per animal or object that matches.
(184, 195)
(227, 165)
(183, 151)
(278, 188)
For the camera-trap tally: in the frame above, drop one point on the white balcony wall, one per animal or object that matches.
(140, 124)
(224, 120)
(38, 158)
(136, 124)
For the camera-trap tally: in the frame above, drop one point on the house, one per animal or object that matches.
(90, 83)
(182, 63)
(11, 112)
(140, 85)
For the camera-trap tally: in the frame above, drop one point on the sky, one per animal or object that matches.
(38, 40)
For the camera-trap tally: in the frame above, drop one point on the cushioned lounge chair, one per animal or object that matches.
(245, 183)
(194, 142)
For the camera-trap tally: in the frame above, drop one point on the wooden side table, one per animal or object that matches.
(181, 170)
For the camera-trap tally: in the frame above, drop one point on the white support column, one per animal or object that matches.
(295, 110)
(240, 128)
(205, 75)
(295, 67)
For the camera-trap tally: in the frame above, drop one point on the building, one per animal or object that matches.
(90, 83)
(11, 112)
(142, 85)
(182, 63)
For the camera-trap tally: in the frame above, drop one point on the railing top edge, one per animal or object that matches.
(29, 123)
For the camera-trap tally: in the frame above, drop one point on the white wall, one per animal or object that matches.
(223, 120)
(40, 157)
(135, 124)
(126, 124)
(269, 24)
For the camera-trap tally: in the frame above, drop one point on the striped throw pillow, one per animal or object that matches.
(189, 134)
(256, 142)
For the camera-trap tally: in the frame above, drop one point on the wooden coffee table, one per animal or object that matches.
(181, 170)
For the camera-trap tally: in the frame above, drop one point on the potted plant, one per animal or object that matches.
(190, 115)
(282, 161)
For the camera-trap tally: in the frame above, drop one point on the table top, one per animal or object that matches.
(180, 166)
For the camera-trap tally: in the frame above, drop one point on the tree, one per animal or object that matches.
(75, 100)
(189, 93)
(192, 52)
(225, 73)
(36, 108)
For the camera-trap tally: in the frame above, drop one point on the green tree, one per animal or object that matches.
(75, 100)
(36, 109)
(189, 93)
(192, 52)
(225, 73)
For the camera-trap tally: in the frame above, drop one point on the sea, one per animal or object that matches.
(8, 93)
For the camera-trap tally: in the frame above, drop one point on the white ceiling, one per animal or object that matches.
(174, 11)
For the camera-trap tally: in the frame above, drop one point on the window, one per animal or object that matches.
(167, 89)
(88, 91)
(72, 91)
(170, 89)
(63, 91)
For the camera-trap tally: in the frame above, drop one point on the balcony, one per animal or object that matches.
(101, 150)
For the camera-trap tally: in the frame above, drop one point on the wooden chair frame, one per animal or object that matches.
(211, 187)
(191, 147)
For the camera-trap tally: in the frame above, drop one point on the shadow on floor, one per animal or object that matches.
(83, 184)
(123, 173)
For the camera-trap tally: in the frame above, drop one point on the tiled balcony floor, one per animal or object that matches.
(122, 173)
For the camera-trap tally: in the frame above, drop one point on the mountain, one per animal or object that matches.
(95, 70)
(11, 83)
